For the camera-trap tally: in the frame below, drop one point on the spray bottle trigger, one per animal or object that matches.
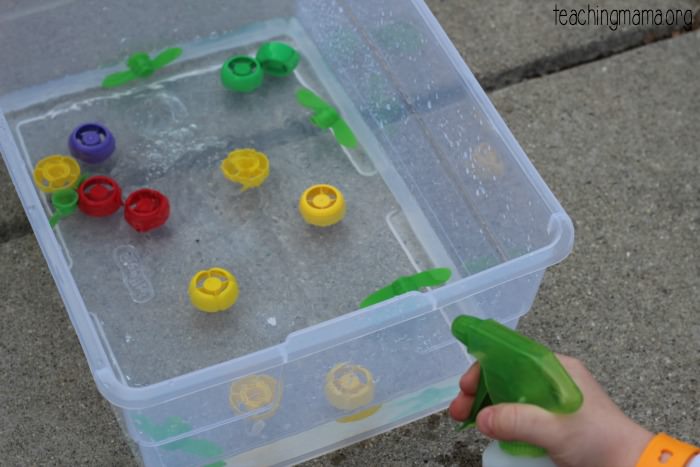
(481, 400)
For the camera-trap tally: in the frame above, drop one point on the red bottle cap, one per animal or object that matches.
(146, 209)
(99, 196)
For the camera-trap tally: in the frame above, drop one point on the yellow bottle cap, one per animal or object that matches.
(56, 172)
(255, 392)
(322, 205)
(349, 386)
(213, 290)
(248, 167)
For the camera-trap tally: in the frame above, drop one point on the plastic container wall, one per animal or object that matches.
(406, 345)
(477, 170)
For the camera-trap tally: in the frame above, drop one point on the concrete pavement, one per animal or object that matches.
(505, 41)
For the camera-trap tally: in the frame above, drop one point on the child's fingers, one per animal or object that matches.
(520, 422)
(470, 380)
(460, 407)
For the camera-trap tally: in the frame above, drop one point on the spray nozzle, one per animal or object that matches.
(515, 368)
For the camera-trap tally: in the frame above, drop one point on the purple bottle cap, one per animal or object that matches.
(92, 143)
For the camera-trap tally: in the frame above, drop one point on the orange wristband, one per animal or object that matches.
(664, 451)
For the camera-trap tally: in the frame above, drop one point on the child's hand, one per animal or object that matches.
(597, 435)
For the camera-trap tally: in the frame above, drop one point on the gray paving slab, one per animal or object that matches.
(496, 36)
(504, 41)
(13, 221)
(616, 140)
(51, 412)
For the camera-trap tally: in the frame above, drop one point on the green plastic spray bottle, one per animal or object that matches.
(515, 368)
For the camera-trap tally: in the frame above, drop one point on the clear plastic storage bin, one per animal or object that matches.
(437, 180)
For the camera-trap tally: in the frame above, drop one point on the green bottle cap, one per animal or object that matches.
(278, 59)
(242, 74)
(64, 202)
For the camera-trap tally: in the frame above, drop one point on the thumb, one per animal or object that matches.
(520, 422)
